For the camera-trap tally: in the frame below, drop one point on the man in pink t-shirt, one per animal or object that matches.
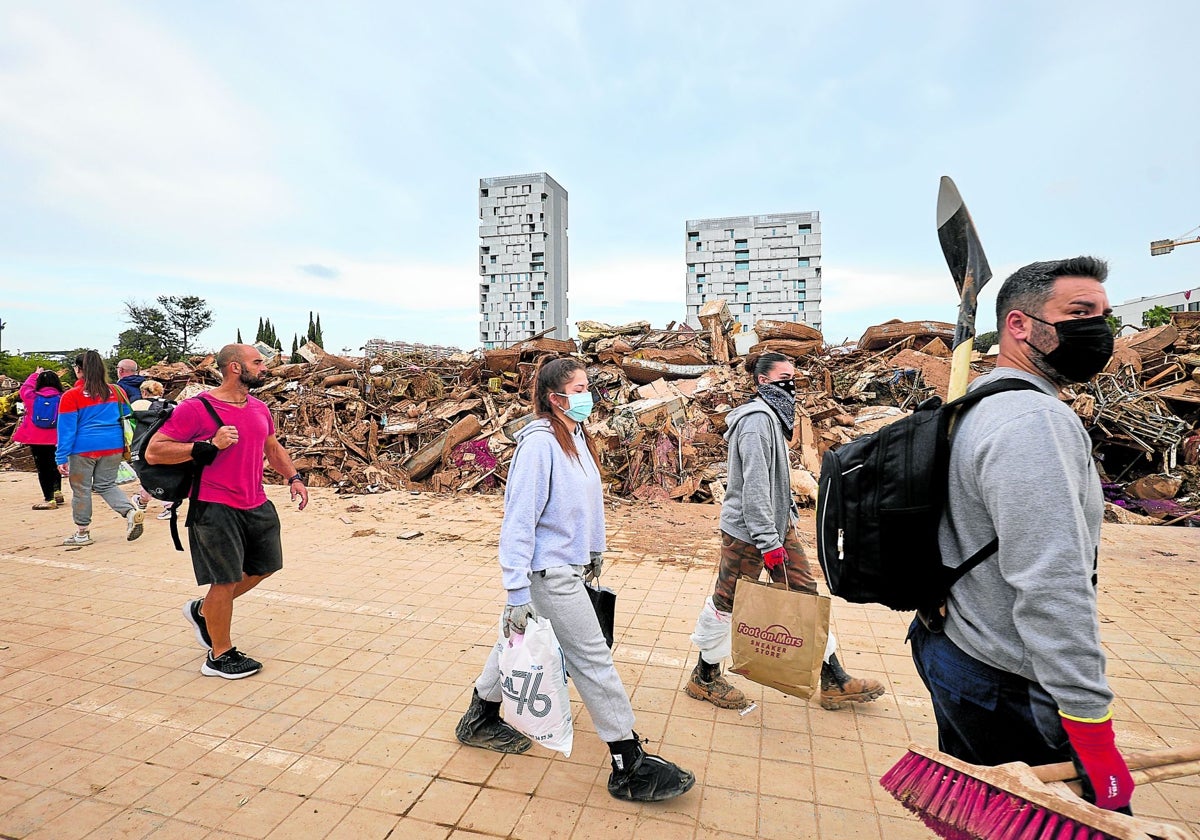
(234, 532)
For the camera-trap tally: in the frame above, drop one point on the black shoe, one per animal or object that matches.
(483, 727)
(232, 665)
(191, 611)
(640, 777)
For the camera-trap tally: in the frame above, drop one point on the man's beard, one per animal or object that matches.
(251, 381)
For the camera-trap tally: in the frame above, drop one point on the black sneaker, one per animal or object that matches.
(191, 611)
(232, 665)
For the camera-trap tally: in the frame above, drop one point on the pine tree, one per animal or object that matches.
(239, 339)
(320, 339)
(260, 335)
(296, 357)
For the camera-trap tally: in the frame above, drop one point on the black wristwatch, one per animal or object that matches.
(295, 478)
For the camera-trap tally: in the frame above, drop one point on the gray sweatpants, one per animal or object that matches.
(558, 595)
(97, 475)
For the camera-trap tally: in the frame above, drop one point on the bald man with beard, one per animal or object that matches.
(234, 529)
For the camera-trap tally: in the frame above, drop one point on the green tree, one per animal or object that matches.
(320, 338)
(296, 357)
(984, 341)
(143, 348)
(260, 335)
(188, 316)
(239, 338)
(19, 367)
(174, 324)
(1156, 317)
(1114, 324)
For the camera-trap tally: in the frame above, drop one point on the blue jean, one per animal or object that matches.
(985, 715)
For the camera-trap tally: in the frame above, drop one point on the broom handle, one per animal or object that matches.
(1145, 767)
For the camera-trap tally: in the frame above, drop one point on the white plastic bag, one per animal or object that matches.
(533, 677)
(125, 473)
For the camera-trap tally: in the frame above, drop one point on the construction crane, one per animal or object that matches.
(1165, 246)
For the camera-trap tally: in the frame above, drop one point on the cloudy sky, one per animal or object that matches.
(276, 158)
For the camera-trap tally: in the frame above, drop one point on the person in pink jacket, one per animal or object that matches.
(38, 430)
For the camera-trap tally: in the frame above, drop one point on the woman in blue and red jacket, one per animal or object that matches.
(91, 442)
(41, 439)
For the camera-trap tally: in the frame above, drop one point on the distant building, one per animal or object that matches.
(1131, 311)
(522, 259)
(383, 347)
(764, 266)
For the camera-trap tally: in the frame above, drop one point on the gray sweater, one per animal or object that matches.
(758, 506)
(1021, 468)
(553, 509)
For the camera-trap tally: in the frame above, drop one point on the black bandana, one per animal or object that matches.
(782, 403)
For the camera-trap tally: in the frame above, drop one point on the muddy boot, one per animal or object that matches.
(839, 688)
(482, 727)
(639, 777)
(708, 684)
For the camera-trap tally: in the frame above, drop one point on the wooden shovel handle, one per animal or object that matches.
(1154, 766)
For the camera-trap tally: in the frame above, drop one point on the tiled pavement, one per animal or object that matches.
(371, 644)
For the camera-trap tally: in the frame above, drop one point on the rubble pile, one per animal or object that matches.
(447, 422)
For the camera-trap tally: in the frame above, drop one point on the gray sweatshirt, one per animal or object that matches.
(1021, 468)
(553, 509)
(758, 506)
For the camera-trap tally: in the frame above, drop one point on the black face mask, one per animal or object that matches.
(788, 385)
(1084, 347)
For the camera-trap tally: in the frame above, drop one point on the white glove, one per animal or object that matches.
(591, 572)
(516, 618)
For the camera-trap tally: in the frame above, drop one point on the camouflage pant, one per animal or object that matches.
(740, 558)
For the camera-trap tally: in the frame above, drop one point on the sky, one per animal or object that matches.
(279, 158)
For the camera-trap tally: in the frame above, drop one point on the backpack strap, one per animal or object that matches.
(998, 386)
(194, 493)
(1008, 383)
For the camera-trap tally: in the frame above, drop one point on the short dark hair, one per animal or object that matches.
(1029, 287)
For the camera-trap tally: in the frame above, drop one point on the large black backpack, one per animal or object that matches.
(166, 482)
(879, 502)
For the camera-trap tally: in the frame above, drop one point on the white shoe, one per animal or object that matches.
(78, 538)
(136, 501)
(166, 514)
(133, 524)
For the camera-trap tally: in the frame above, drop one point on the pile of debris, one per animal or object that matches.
(447, 423)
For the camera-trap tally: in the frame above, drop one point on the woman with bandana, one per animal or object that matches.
(551, 541)
(758, 528)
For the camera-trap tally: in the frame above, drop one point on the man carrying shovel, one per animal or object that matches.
(1017, 671)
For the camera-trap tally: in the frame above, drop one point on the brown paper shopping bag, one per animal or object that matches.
(779, 636)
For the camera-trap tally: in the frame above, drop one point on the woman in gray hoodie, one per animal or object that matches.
(552, 535)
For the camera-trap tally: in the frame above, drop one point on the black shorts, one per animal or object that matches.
(228, 543)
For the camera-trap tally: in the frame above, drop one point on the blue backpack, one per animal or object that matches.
(45, 411)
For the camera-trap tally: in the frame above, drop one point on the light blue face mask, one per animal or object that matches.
(579, 405)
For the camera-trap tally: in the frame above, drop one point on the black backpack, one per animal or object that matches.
(166, 482)
(879, 502)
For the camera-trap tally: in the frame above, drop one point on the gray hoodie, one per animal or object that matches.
(553, 509)
(758, 507)
(1021, 468)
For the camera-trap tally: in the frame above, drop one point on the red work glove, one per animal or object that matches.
(1096, 748)
(775, 558)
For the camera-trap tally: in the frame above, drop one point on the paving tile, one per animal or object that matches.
(494, 811)
(444, 801)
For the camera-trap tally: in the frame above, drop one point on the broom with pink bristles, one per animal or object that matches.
(961, 801)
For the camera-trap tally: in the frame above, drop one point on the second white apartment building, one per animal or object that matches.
(764, 266)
